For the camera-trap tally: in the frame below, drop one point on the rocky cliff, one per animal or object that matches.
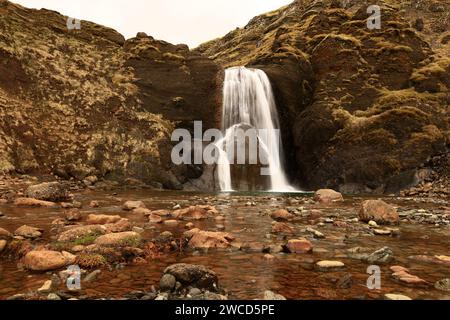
(85, 102)
(363, 110)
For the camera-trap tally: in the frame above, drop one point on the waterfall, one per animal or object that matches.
(249, 104)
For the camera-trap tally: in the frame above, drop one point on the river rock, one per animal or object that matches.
(272, 296)
(392, 296)
(153, 218)
(3, 244)
(30, 202)
(73, 215)
(28, 232)
(167, 282)
(300, 245)
(142, 211)
(45, 260)
(378, 211)
(92, 276)
(328, 196)
(210, 239)
(381, 256)
(281, 227)
(131, 205)
(171, 223)
(191, 213)
(49, 191)
(443, 285)
(5, 234)
(194, 275)
(402, 274)
(46, 287)
(102, 219)
(119, 239)
(282, 215)
(122, 225)
(329, 265)
(81, 232)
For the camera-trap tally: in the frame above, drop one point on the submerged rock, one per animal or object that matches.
(30, 202)
(402, 275)
(102, 219)
(210, 239)
(281, 227)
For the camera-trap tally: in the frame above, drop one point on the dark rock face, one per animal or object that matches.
(86, 102)
(359, 107)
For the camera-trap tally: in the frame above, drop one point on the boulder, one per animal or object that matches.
(194, 275)
(209, 239)
(102, 219)
(45, 260)
(328, 196)
(300, 245)
(48, 191)
(378, 211)
(129, 238)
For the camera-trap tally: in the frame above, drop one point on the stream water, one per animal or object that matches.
(246, 273)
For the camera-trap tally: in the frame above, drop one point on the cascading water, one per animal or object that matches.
(248, 103)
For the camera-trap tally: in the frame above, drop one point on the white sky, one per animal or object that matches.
(178, 21)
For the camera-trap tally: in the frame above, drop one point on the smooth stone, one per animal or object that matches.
(329, 265)
(167, 282)
(392, 296)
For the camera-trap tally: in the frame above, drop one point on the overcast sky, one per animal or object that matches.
(178, 21)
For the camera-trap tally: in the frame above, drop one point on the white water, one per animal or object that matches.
(248, 102)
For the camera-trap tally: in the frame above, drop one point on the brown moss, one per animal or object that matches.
(91, 261)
